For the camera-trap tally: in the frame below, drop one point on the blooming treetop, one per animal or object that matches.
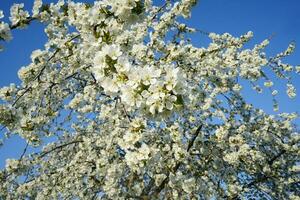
(135, 111)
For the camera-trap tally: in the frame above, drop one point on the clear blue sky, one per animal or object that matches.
(263, 17)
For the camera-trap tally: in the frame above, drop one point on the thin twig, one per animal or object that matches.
(19, 97)
(24, 151)
(60, 146)
(27, 21)
(160, 9)
(177, 166)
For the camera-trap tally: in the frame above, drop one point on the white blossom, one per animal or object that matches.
(36, 7)
(5, 33)
(268, 84)
(291, 91)
(189, 185)
(1, 14)
(104, 59)
(17, 14)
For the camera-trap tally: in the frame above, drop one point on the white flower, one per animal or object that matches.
(135, 158)
(173, 78)
(37, 55)
(159, 178)
(169, 101)
(1, 14)
(221, 133)
(121, 8)
(144, 151)
(297, 69)
(207, 104)
(123, 64)
(237, 87)
(113, 51)
(129, 139)
(139, 50)
(110, 85)
(17, 14)
(291, 91)
(231, 158)
(189, 185)
(36, 7)
(149, 75)
(130, 96)
(287, 67)
(290, 48)
(274, 92)
(12, 164)
(5, 31)
(76, 101)
(105, 59)
(268, 84)
(155, 97)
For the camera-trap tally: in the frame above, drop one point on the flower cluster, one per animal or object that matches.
(122, 8)
(36, 7)
(5, 33)
(17, 15)
(291, 91)
(151, 87)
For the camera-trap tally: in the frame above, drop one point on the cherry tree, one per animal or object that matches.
(119, 104)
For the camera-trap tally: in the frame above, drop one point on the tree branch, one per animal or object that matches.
(60, 146)
(27, 21)
(177, 166)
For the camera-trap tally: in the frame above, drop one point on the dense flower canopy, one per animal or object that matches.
(134, 110)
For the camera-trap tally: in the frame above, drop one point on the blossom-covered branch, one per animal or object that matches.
(119, 104)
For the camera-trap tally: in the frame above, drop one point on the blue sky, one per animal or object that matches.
(280, 18)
